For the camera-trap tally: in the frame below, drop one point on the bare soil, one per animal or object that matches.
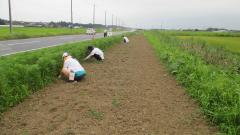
(129, 93)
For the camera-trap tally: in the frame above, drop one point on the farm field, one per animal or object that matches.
(30, 32)
(201, 33)
(229, 43)
(129, 93)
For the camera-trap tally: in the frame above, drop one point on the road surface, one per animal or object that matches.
(22, 45)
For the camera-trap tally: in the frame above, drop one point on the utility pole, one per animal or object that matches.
(93, 20)
(93, 15)
(105, 19)
(112, 21)
(119, 23)
(116, 22)
(10, 16)
(71, 14)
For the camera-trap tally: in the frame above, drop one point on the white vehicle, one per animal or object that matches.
(109, 34)
(90, 31)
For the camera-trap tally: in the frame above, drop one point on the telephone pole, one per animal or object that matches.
(71, 14)
(93, 15)
(10, 16)
(93, 20)
(105, 19)
(112, 21)
(116, 22)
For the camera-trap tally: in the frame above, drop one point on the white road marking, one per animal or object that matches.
(22, 43)
(67, 38)
(5, 49)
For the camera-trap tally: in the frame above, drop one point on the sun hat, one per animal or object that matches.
(65, 54)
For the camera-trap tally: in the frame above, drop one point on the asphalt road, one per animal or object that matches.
(22, 45)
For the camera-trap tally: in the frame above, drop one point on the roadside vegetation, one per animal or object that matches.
(229, 43)
(31, 32)
(210, 75)
(214, 53)
(25, 73)
(202, 33)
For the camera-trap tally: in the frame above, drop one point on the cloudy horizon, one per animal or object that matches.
(171, 14)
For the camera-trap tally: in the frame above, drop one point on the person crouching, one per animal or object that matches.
(96, 53)
(72, 69)
(125, 40)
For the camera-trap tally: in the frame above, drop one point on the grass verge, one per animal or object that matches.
(229, 43)
(216, 90)
(32, 32)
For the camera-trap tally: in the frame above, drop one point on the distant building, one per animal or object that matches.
(19, 26)
(221, 31)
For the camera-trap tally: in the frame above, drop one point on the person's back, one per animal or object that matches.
(72, 68)
(73, 65)
(125, 39)
(98, 52)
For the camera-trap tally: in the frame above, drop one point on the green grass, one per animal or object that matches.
(202, 33)
(30, 32)
(217, 90)
(230, 43)
(212, 53)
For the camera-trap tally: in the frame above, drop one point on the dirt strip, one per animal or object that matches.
(129, 93)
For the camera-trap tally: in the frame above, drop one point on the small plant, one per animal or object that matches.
(25, 132)
(95, 114)
(68, 132)
(116, 102)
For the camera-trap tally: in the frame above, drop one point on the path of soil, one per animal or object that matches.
(129, 93)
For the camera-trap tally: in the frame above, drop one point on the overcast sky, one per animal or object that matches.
(140, 13)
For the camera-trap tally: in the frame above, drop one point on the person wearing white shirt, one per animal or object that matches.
(105, 33)
(96, 53)
(72, 69)
(125, 40)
